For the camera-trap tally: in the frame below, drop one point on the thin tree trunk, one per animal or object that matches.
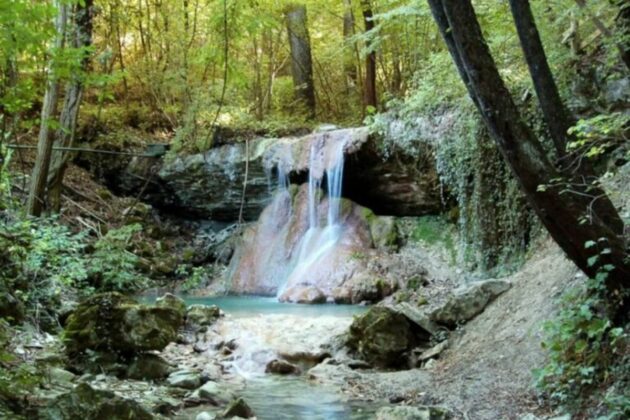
(36, 195)
(556, 115)
(369, 88)
(569, 216)
(302, 62)
(349, 65)
(74, 92)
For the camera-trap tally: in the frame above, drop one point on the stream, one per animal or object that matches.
(263, 327)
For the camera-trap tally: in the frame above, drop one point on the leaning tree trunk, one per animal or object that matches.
(74, 91)
(555, 114)
(45, 140)
(566, 210)
(301, 60)
(369, 88)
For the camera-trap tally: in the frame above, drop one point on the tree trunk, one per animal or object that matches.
(369, 88)
(555, 114)
(567, 210)
(301, 60)
(82, 38)
(36, 195)
(349, 66)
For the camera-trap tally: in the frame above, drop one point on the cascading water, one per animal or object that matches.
(302, 248)
(322, 234)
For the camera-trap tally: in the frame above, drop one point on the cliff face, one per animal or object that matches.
(210, 185)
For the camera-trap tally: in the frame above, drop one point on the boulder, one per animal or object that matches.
(238, 408)
(404, 412)
(382, 336)
(111, 322)
(213, 393)
(84, 402)
(468, 302)
(202, 315)
(148, 367)
(281, 367)
(187, 379)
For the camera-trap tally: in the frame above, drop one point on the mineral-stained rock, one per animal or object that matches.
(468, 302)
(86, 403)
(111, 322)
(403, 412)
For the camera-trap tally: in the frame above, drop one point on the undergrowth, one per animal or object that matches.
(588, 371)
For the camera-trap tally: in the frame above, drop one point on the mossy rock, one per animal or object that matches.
(169, 300)
(381, 336)
(202, 315)
(111, 322)
(86, 403)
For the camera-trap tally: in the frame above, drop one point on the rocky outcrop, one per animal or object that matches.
(210, 185)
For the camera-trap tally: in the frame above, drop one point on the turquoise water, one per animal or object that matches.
(240, 306)
(255, 305)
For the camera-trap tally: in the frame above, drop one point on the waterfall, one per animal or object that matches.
(326, 157)
(302, 245)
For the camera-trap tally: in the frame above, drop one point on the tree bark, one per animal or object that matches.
(369, 87)
(556, 116)
(301, 60)
(36, 195)
(82, 38)
(349, 66)
(565, 210)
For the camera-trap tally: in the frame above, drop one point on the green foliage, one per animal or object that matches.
(586, 352)
(195, 277)
(42, 259)
(596, 135)
(112, 267)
